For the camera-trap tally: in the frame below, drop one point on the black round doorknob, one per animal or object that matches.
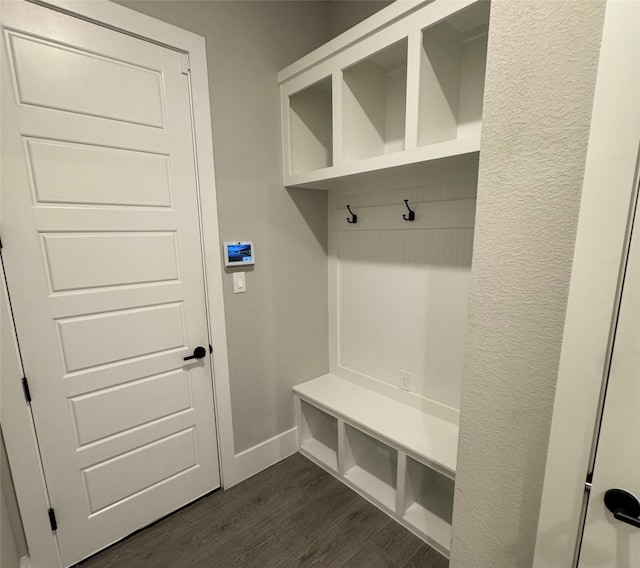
(198, 353)
(624, 506)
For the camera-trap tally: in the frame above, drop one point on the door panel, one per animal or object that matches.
(128, 334)
(111, 89)
(104, 264)
(123, 476)
(607, 542)
(101, 175)
(94, 419)
(109, 260)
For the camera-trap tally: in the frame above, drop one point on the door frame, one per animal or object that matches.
(17, 424)
(608, 198)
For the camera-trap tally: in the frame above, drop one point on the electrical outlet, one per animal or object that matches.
(405, 380)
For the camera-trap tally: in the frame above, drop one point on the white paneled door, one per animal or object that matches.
(614, 541)
(102, 251)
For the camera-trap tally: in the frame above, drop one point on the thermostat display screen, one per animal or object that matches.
(238, 253)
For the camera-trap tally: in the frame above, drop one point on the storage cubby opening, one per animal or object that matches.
(320, 435)
(372, 466)
(374, 104)
(310, 124)
(452, 74)
(429, 502)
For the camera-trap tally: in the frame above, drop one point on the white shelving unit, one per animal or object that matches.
(404, 88)
(391, 111)
(400, 458)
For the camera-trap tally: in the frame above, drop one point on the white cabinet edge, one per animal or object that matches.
(421, 12)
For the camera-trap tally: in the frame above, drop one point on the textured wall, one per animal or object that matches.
(277, 330)
(540, 81)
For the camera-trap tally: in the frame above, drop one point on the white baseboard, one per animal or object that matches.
(262, 456)
(25, 562)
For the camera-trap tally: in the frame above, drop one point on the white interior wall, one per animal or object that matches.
(276, 331)
(9, 555)
(541, 70)
(13, 545)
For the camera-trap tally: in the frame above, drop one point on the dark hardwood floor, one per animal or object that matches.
(293, 514)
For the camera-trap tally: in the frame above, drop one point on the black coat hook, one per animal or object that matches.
(412, 214)
(354, 217)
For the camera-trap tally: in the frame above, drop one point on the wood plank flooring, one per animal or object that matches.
(293, 514)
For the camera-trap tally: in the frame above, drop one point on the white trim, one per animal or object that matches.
(19, 435)
(332, 275)
(264, 455)
(25, 562)
(22, 448)
(594, 291)
(212, 257)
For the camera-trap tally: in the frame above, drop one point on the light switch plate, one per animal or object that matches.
(405, 380)
(239, 283)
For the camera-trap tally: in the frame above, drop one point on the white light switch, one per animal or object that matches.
(239, 283)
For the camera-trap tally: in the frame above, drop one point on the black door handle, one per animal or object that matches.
(198, 353)
(624, 506)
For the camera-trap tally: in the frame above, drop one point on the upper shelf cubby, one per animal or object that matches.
(310, 127)
(452, 69)
(374, 104)
(398, 94)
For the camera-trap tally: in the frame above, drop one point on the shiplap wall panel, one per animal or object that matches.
(402, 288)
(402, 297)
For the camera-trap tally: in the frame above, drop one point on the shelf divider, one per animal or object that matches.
(414, 56)
(338, 110)
(402, 485)
(341, 447)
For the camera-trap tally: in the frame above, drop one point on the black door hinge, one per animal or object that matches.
(25, 388)
(589, 482)
(210, 348)
(52, 520)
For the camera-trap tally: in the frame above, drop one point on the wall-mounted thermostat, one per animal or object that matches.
(238, 253)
